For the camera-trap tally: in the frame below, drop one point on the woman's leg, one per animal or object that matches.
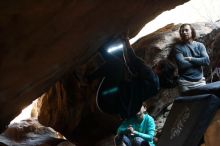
(138, 141)
(126, 141)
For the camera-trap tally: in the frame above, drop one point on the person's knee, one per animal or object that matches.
(126, 140)
(122, 140)
(118, 140)
(138, 141)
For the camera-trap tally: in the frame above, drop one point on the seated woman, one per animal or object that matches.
(138, 130)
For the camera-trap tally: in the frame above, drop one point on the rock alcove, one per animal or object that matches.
(48, 47)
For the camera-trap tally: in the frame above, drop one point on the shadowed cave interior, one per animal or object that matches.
(54, 51)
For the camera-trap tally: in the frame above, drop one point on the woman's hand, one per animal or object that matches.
(131, 130)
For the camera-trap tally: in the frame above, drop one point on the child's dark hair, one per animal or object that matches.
(167, 74)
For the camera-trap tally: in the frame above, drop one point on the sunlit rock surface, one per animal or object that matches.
(31, 133)
(159, 44)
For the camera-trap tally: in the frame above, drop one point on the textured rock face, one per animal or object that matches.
(30, 132)
(215, 45)
(158, 44)
(70, 107)
(212, 134)
(40, 52)
(41, 40)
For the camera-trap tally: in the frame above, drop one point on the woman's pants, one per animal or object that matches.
(137, 141)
